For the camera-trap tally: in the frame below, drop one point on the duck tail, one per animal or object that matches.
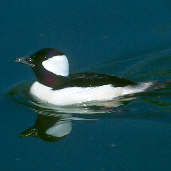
(156, 85)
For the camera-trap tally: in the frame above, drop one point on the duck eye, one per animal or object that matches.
(29, 60)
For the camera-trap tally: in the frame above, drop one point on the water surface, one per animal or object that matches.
(129, 39)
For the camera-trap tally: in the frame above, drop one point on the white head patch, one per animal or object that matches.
(58, 65)
(60, 129)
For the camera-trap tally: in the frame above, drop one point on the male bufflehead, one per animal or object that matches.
(55, 86)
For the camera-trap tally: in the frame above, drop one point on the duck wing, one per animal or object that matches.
(93, 80)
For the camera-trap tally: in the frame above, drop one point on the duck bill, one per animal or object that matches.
(24, 61)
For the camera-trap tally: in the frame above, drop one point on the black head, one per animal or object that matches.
(37, 58)
(49, 65)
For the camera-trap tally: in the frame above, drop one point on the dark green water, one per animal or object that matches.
(131, 39)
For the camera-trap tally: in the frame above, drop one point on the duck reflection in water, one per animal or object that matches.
(49, 128)
(54, 123)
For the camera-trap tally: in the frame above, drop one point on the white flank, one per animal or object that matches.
(58, 65)
(74, 95)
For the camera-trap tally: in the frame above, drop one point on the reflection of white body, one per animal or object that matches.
(73, 95)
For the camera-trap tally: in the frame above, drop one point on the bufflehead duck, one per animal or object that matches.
(55, 86)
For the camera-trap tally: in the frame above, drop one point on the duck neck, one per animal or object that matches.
(48, 78)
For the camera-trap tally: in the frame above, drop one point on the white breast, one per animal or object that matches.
(74, 95)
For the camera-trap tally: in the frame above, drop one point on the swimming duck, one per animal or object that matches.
(56, 86)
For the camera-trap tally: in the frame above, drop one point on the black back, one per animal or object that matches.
(92, 80)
